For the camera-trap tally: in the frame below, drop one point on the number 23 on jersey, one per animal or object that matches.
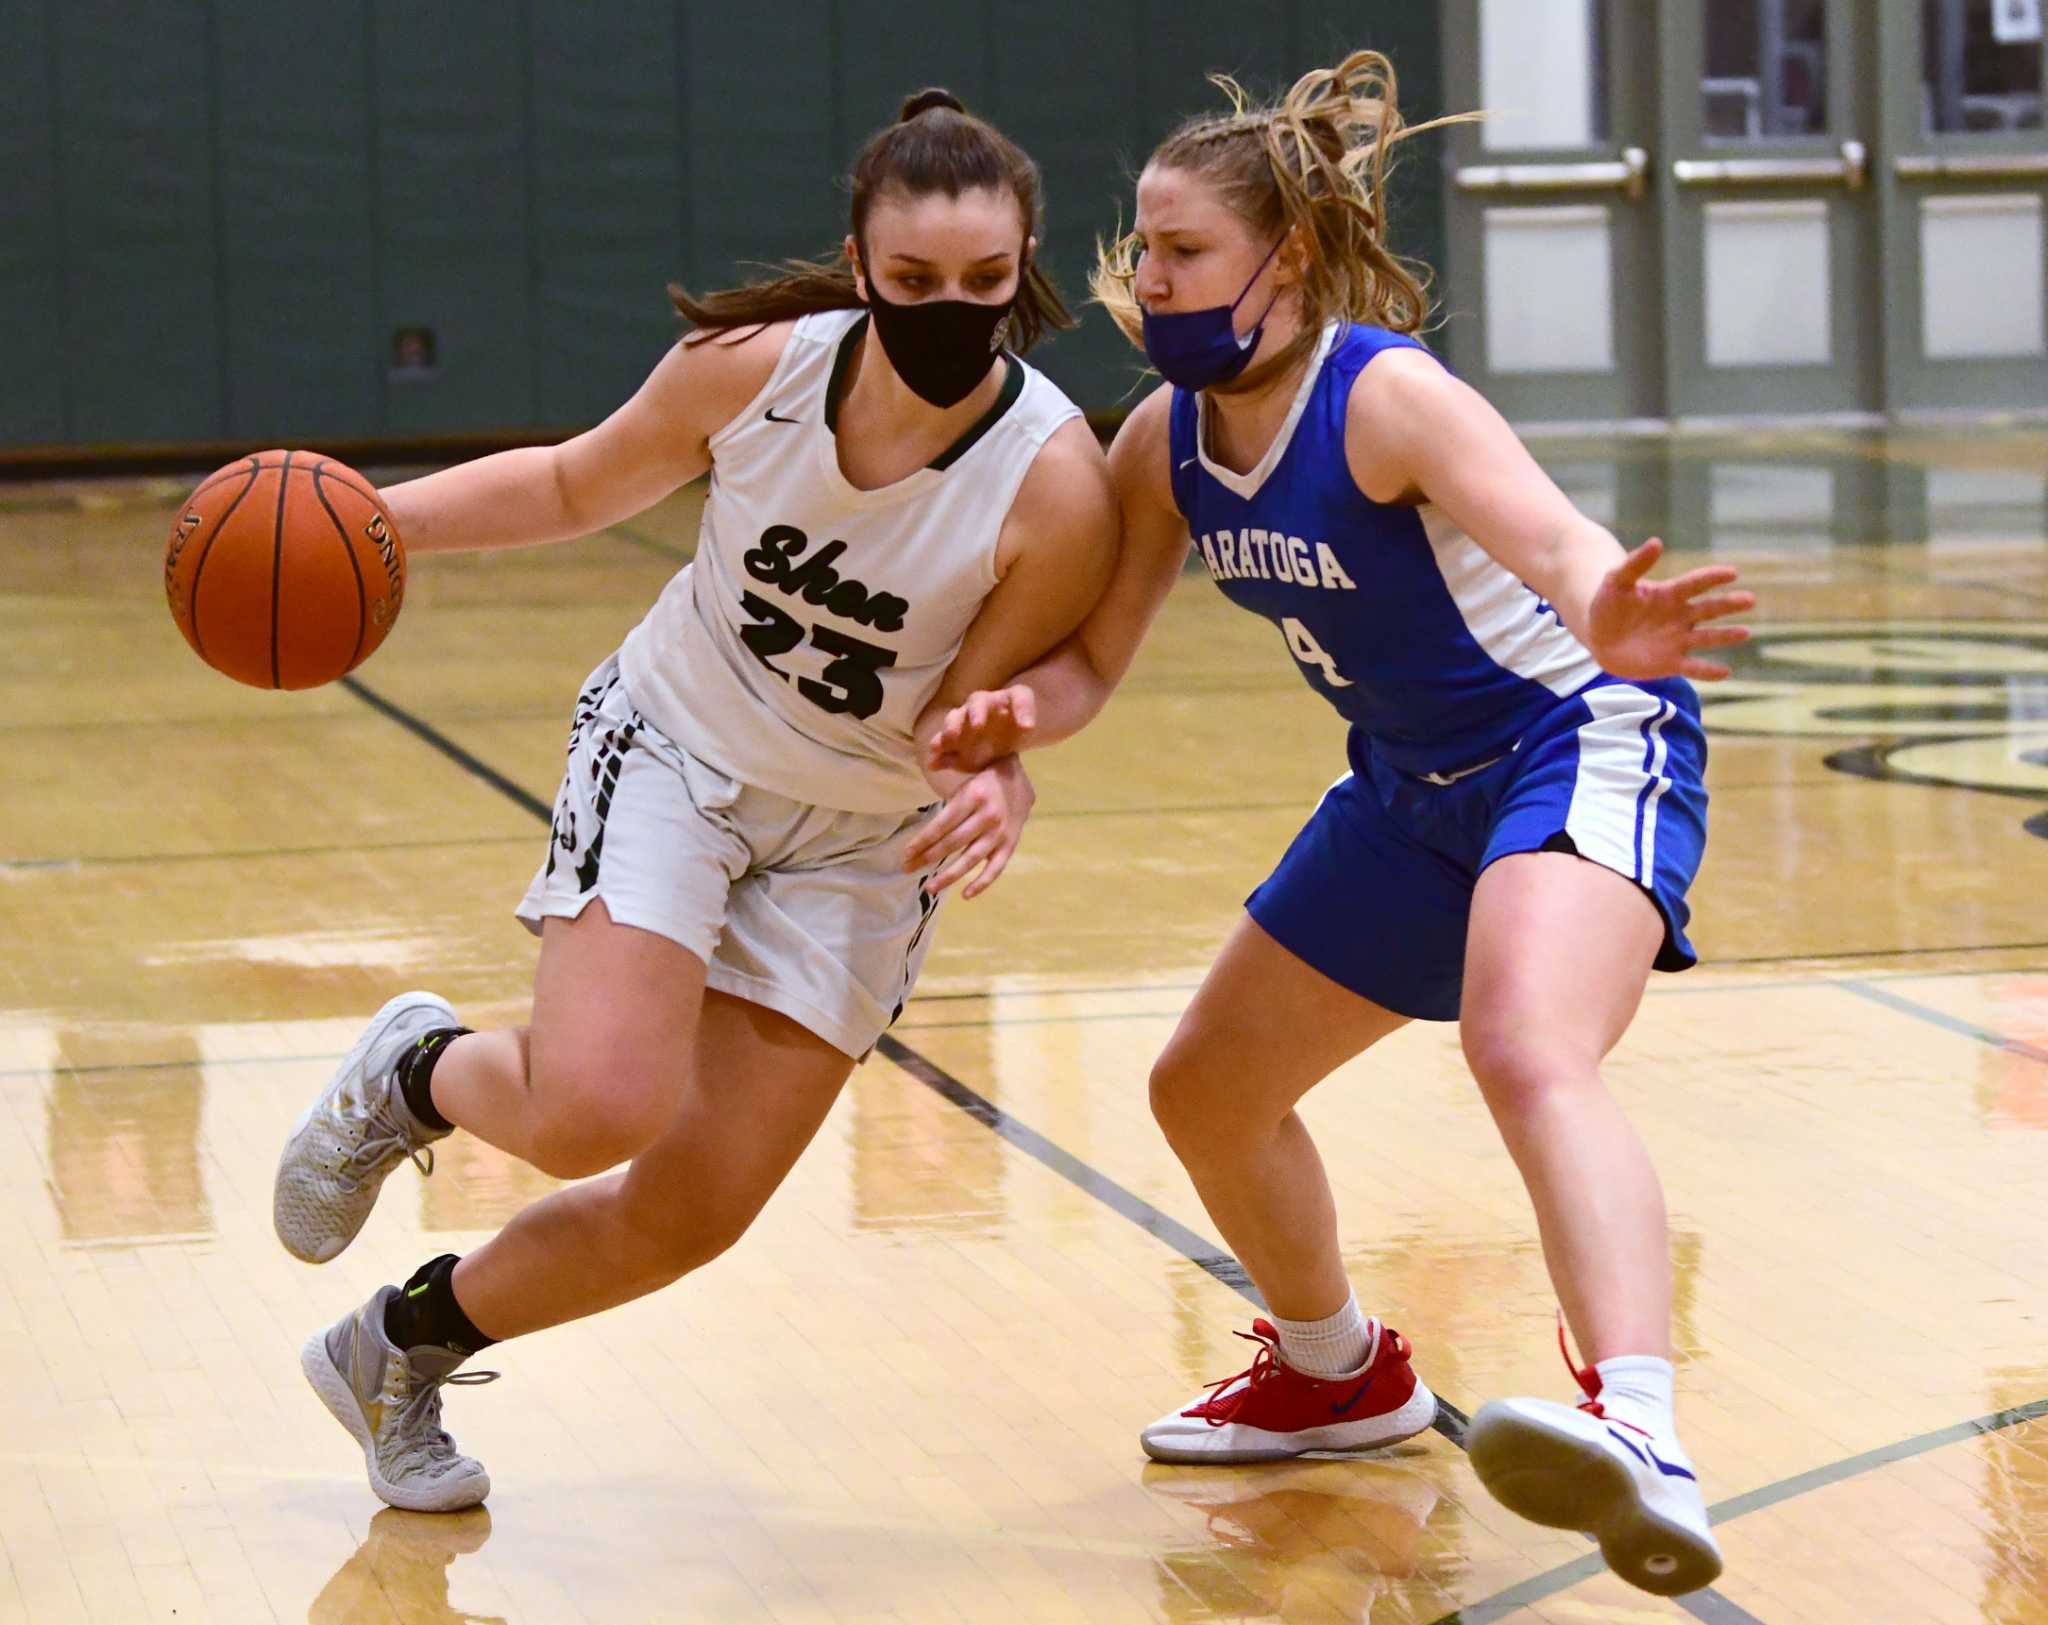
(853, 680)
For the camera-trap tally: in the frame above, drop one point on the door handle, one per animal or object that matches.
(1851, 169)
(2004, 166)
(1628, 175)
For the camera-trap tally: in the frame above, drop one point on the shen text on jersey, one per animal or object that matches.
(774, 560)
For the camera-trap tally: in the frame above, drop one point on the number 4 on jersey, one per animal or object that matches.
(1305, 649)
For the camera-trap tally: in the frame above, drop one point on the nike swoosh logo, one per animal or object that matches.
(1189, 463)
(1665, 1467)
(1339, 1410)
(772, 418)
(1644, 1453)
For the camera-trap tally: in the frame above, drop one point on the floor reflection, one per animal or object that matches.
(1794, 497)
(121, 1128)
(476, 1186)
(2016, 1504)
(917, 1162)
(2012, 1082)
(1289, 1540)
(400, 1572)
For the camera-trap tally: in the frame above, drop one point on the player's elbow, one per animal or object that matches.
(563, 489)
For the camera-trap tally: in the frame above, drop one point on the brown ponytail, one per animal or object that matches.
(935, 145)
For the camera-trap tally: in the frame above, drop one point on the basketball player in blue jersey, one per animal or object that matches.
(903, 512)
(1510, 849)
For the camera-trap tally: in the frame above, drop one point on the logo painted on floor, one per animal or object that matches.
(1956, 703)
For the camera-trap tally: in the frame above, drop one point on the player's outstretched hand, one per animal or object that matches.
(977, 828)
(1638, 628)
(990, 724)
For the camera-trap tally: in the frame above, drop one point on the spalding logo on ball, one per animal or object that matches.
(284, 571)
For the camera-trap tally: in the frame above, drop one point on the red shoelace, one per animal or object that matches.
(1589, 1380)
(1219, 1408)
(1216, 1410)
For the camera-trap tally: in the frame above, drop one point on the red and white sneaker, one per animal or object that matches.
(1271, 1411)
(1578, 1468)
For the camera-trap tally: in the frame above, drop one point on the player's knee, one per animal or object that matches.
(1181, 1099)
(1517, 1069)
(677, 1237)
(594, 1117)
(712, 1234)
(578, 1150)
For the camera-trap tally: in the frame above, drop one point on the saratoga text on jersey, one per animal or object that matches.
(1258, 555)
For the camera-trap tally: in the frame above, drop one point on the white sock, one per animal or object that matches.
(1340, 1346)
(1636, 1388)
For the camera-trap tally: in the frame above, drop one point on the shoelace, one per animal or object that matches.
(391, 1135)
(1588, 1379)
(1217, 1410)
(429, 1444)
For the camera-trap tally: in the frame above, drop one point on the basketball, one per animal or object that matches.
(283, 570)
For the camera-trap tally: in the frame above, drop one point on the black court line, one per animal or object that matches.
(1205, 1254)
(184, 1064)
(448, 748)
(1196, 810)
(1700, 989)
(91, 861)
(280, 719)
(1565, 1576)
(1658, 985)
(1077, 1018)
(1061, 992)
(1942, 1019)
(1716, 1609)
(1823, 957)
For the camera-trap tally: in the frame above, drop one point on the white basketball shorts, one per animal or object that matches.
(803, 909)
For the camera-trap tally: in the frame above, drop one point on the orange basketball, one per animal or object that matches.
(283, 570)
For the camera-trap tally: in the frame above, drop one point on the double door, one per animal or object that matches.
(1708, 209)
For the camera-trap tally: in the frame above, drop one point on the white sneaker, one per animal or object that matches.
(389, 1399)
(343, 1145)
(1576, 1469)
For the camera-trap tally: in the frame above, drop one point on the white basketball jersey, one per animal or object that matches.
(797, 650)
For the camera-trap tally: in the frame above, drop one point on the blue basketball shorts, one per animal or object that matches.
(1376, 890)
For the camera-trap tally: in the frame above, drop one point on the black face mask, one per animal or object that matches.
(941, 348)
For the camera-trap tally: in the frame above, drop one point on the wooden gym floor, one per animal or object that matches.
(913, 1392)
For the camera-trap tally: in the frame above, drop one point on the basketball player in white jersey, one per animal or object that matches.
(901, 512)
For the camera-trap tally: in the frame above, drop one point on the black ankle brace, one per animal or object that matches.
(416, 1075)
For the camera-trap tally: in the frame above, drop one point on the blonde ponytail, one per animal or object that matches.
(1314, 167)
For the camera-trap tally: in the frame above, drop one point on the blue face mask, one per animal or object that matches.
(1198, 349)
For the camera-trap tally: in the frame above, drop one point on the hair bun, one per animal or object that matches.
(925, 100)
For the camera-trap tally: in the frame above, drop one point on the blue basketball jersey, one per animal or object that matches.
(1432, 649)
